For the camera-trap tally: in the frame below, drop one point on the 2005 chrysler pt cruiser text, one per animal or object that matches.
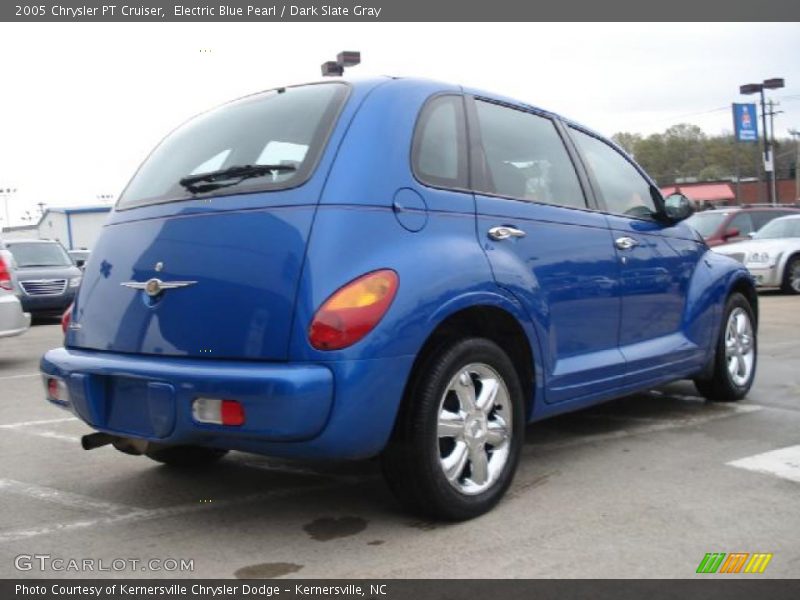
(390, 267)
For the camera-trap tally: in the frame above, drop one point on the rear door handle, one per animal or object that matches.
(503, 232)
(625, 243)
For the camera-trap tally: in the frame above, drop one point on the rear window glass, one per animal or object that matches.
(287, 127)
(762, 217)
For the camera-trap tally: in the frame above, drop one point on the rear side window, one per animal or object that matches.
(525, 157)
(624, 190)
(286, 127)
(439, 155)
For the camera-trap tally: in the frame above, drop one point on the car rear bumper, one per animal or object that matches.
(13, 321)
(342, 409)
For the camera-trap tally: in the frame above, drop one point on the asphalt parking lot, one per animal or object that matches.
(641, 487)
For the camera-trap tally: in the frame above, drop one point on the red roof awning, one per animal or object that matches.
(702, 192)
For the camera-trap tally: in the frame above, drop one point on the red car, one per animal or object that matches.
(733, 224)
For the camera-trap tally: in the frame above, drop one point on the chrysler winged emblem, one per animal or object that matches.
(153, 287)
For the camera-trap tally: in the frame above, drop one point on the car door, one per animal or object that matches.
(547, 246)
(657, 261)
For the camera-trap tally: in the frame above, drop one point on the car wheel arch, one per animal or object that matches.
(497, 320)
(746, 287)
(784, 263)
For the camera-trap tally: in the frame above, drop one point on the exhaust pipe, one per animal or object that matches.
(126, 445)
(96, 440)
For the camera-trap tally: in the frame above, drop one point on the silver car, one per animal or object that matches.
(772, 255)
(13, 321)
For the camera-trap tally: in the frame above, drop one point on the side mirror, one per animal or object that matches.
(732, 232)
(678, 207)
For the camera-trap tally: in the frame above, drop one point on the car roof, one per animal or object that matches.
(371, 82)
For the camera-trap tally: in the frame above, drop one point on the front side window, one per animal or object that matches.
(624, 190)
(439, 154)
(742, 222)
(39, 255)
(287, 128)
(525, 157)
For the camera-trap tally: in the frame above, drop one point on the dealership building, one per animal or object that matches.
(75, 227)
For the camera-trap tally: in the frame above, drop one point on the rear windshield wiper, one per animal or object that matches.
(207, 182)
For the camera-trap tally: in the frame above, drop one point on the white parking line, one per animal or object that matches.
(34, 423)
(22, 376)
(63, 498)
(51, 435)
(784, 463)
(33, 428)
(721, 413)
(135, 515)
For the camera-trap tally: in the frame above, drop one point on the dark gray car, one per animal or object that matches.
(46, 275)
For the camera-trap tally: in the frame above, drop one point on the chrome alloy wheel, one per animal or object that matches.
(794, 275)
(740, 350)
(474, 428)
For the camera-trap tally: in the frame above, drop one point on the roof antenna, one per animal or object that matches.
(335, 68)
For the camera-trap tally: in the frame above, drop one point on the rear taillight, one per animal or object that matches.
(353, 311)
(5, 276)
(66, 318)
(218, 412)
(56, 390)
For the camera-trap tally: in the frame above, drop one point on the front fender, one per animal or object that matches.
(725, 274)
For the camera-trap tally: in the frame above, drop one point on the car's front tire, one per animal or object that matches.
(791, 276)
(459, 433)
(736, 354)
(185, 456)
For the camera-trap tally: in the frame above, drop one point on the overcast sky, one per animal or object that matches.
(82, 104)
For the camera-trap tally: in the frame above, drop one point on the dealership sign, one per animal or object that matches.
(745, 122)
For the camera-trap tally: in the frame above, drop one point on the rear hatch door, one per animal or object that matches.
(211, 268)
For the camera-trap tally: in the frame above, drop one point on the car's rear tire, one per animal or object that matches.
(185, 456)
(791, 276)
(735, 356)
(457, 439)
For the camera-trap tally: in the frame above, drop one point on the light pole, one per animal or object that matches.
(796, 135)
(6, 192)
(769, 168)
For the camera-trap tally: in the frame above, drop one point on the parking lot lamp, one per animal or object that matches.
(769, 168)
(795, 133)
(6, 192)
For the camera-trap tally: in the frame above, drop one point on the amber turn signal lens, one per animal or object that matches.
(353, 311)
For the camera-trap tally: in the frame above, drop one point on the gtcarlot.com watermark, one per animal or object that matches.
(59, 564)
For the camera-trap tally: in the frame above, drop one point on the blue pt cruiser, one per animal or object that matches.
(391, 267)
